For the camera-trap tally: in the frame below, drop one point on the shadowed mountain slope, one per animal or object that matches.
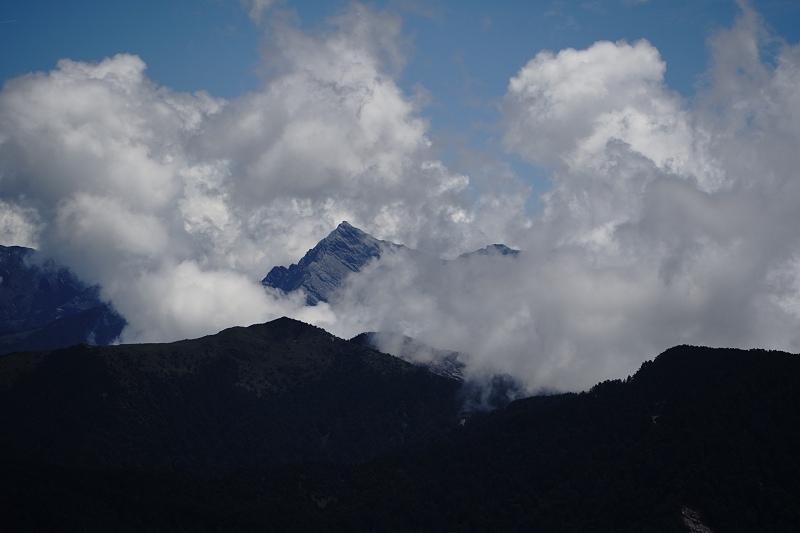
(699, 436)
(698, 432)
(44, 306)
(271, 393)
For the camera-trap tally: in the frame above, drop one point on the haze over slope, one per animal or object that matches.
(669, 220)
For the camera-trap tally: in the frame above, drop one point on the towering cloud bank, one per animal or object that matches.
(667, 222)
(99, 159)
(179, 203)
(670, 222)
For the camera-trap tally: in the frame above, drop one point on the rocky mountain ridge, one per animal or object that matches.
(346, 251)
(324, 268)
(43, 305)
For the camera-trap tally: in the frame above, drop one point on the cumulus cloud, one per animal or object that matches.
(333, 135)
(18, 226)
(178, 204)
(95, 160)
(668, 221)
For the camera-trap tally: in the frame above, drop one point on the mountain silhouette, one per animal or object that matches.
(283, 426)
(272, 393)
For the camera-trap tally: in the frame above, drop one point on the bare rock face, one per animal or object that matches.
(491, 250)
(345, 251)
(325, 267)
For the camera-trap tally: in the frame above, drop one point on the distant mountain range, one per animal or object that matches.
(345, 251)
(492, 249)
(283, 426)
(324, 270)
(43, 305)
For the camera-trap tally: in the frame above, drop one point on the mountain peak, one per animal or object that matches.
(322, 270)
(344, 251)
(350, 235)
(491, 250)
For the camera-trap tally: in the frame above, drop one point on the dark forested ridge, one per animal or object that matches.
(271, 393)
(178, 437)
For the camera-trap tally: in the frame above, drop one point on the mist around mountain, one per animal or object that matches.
(492, 249)
(44, 306)
(441, 362)
(324, 269)
(479, 393)
(327, 272)
(284, 427)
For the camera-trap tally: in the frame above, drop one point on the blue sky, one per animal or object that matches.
(462, 52)
(175, 152)
(212, 44)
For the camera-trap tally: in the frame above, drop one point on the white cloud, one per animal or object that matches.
(99, 162)
(178, 204)
(563, 108)
(667, 223)
(18, 226)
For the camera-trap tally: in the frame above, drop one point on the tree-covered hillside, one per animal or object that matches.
(303, 432)
(281, 392)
